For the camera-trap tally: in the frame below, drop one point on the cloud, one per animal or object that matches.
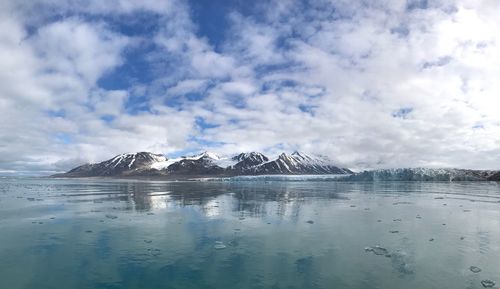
(372, 84)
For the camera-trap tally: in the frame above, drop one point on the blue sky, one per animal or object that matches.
(393, 83)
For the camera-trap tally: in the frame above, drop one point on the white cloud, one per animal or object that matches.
(79, 50)
(327, 78)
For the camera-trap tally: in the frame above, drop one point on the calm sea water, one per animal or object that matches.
(250, 234)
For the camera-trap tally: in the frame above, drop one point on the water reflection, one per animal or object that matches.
(130, 234)
(249, 198)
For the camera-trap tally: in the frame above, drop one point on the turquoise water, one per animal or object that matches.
(250, 234)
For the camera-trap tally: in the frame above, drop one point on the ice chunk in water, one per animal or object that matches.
(219, 245)
(487, 283)
(377, 250)
(475, 269)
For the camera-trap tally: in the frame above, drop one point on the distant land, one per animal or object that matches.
(146, 164)
(208, 164)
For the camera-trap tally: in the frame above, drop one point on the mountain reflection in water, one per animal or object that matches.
(102, 233)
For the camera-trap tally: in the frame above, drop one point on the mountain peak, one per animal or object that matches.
(247, 161)
(243, 156)
(207, 154)
(301, 155)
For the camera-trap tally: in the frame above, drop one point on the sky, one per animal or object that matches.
(371, 84)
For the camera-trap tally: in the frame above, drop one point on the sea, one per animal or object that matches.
(266, 232)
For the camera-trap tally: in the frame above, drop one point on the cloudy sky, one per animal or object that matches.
(390, 83)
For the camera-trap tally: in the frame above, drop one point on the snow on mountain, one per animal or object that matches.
(207, 163)
(248, 161)
(301, 163)
(255, 163)
(216, 159)
(129, 159)
(123, 164)
(164, 164)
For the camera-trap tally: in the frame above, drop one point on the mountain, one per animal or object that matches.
(121, 165)
(145, 164)
(299, 163)
(206, 164)
(248, 162)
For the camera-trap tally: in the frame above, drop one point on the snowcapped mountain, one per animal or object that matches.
(300, 163)
(247, 162)
(255, 163)
(124, 164)
(206, 164)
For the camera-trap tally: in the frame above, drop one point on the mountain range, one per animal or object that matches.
(209, 164)
(146, 164)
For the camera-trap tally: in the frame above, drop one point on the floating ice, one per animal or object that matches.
(310, 222)
(112, 217)
(377, 250)
(475, 269)
(219, 245)
(487, 283)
